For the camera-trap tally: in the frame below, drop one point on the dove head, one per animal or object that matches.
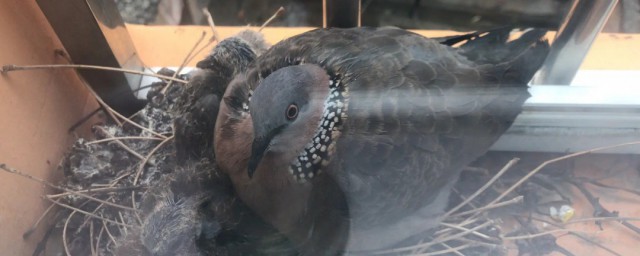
(296, 112)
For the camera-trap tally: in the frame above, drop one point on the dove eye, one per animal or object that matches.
(292, 112)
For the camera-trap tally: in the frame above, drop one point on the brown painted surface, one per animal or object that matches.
(614, 170)
(36, 110)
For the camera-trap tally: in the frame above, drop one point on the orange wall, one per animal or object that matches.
(168, 45)
(36, 110)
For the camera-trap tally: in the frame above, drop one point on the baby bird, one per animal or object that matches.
(197, 108)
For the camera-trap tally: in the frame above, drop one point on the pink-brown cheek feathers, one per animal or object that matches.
(232, 141)
(269, 191)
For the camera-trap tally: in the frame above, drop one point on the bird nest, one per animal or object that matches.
(523, 205)
(105, 178)
(491, 210)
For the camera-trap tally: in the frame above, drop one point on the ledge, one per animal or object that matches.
(599, 109)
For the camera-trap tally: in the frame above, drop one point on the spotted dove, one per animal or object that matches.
(350, 139)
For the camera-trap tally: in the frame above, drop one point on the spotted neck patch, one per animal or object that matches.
(317, 153)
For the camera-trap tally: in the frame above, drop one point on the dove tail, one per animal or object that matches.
(514, 61)
(528, 53)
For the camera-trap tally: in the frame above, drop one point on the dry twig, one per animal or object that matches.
(458, 248)
(146, 159)
(122, 138)
(19, 173)
(99, 238)
(544, 233)
(433, 242)
(600, 184)
(137, 125)
(139, 172)
(277, 14)
(35, 225)
(98, 190)
(9, 68)
(106, 227)
(207, 14)
(64, 234)
(120, 143)
(93, 250)
(115, 115)
(484, 187)
(88, 213)
(461, 228)
(514, 200)
(548, 162)
(598, 209)
(186, 59)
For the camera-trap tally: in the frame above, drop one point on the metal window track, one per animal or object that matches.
(566, 119)
(575, 118)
